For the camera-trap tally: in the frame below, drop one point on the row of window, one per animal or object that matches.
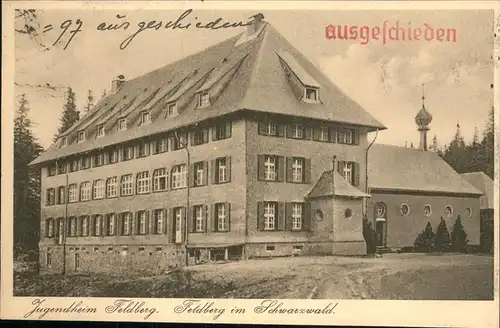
(318, 133)
(405, 210)
(142, 148)
(280, 216)
(126, 223)
(144, 182)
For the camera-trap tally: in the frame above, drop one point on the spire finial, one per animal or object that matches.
(423, 94)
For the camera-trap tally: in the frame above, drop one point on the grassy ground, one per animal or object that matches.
(395, 276)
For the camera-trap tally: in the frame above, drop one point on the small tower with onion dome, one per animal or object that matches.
(423, 119)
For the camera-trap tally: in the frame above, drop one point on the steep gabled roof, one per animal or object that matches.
(483, 183)
(259, 84)
(332, 183)
(410, 169)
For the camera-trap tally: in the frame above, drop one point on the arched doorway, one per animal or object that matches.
(381, 224)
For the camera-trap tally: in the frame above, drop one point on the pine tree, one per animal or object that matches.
(26, 180)
(487, 145)
(70, 114)
(456, 154)
(425, 239)
(442, 239)
(458, 237)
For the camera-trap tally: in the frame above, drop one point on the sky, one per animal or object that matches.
(386, 79)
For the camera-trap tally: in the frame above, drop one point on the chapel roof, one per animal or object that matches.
(258, 83)
(331, 183)
(483, 183)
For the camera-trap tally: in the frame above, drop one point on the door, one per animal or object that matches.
(178, 226)
(381, 224)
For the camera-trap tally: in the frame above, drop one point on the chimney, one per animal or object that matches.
(255, 24)
(117, 83)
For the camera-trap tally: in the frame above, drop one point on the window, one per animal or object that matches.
(468, 211)
(52, 170)
(85, 162)
(171, 109)
(405, 209)
(298, 131)
(179, 176)
(81, 136)
(348, 213)
(199, 218)
(159, 221)
(74, 166)
(297, 213)
(448, 211)
(199, 137)
(145, 118)
(222, 216)
(427, 210)
(128, 153)
(112, 156)
(221, 170)
(159, 146)
(126, 223)
(64, 142)
(49, 259)
(141, 222)
(324, 133)
(122, 124)
(61, 168)
(72, 226)
(222, 130)
(126, 185)
(51, 196)
(100, 130)
(50, 228)
(204, 99)
(72, 193)
(61, 195)
(111, 224)
(142, 149)
(345, 136)
(98, 189)
(160, 179)
(179, 141)
(98, 160)
(297, 170)
(270, 168)
(111, 187)
(77, 261)
(347, 171)
(270, 248)
(98, 225)
(143, 182)
(85, 225)
(311, 94)
(200, 174)
(271, 129)
(85, 190)
(269, 216)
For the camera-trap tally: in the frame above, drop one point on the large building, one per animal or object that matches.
(243, 150)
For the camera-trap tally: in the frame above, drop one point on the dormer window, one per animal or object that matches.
(145, 118)
(122, 124)
(311, 94)
(81, 136)
(203, 99)
(172, 109)
(100, 130)
(64, 142)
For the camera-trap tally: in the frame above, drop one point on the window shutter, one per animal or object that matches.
(281, 168)
(281, 130)
(105, 225)
(118, 224)
(213, 169)
(192, 175)
(205, 173)
(147, 228)
(356, 174)
(289, 162)
(170, 222)
(105, 158)
(288, 214)
(152, 145)
(91, 225)
(316, 133)
(281, 216)
(308, 132)
(171, 142)
(192, 216)
(214, 132)
(205, 135)
(164, 229)
(307, 170)
(228, 168)
(213, 213)
(340, 167)
(209, 217)
(184, 221)
(228, 215)
(147, 150)
(260, 217)
(228, 129)
(204, 210)
(262, 128)
(356, 136)
(333, 134)
(289, 130)
(260, 167)
(306, 218)
(191, 138)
